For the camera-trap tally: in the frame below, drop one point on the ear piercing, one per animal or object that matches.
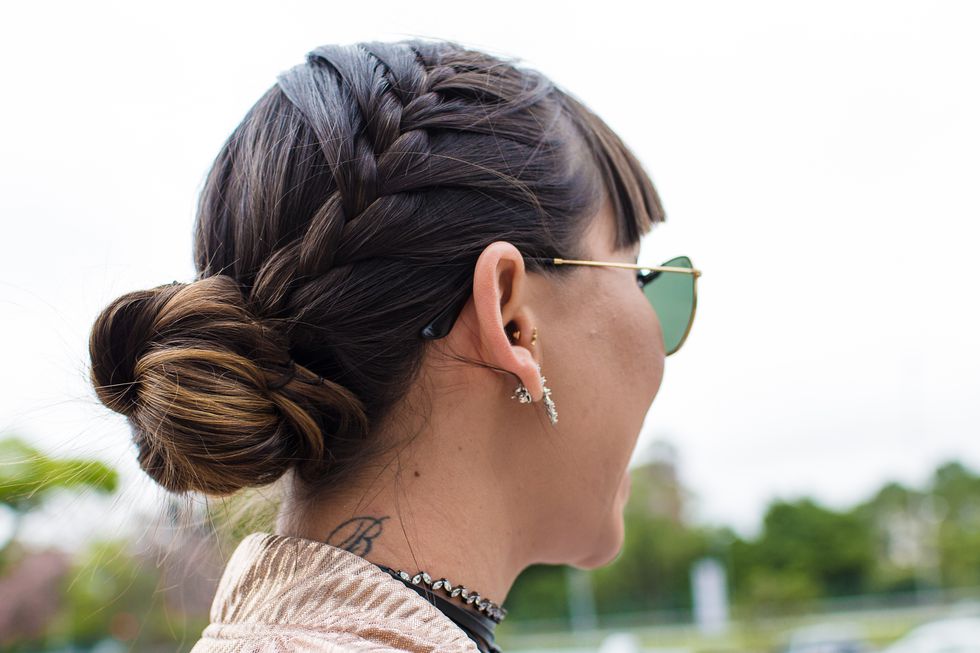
(534, 335)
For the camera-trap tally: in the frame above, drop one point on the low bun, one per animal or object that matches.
(215, 401)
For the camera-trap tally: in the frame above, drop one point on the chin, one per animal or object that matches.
(607, 546)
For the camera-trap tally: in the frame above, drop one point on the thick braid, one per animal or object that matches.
(394, 122)
(363, 143)
(371, 108)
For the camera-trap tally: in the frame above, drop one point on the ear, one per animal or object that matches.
(499, 301)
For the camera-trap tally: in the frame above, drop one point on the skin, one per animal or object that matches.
(489, 486)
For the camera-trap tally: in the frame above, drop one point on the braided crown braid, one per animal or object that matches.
(345, 210)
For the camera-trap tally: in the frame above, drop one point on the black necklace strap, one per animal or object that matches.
(478, 627)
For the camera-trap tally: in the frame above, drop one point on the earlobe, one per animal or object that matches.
(499, 280)
(522, 394)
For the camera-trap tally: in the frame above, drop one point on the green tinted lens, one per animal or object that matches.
(672, 297)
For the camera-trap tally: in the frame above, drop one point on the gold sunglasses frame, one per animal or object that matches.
(638, 266)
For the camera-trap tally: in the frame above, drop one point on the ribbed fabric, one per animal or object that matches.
(287, 594)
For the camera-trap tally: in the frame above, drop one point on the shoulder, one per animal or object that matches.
(305, 640)
(272, 638)
(282, 593)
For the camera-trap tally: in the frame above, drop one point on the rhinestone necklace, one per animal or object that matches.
(478, 626)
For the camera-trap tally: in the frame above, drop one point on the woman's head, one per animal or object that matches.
(366, 191)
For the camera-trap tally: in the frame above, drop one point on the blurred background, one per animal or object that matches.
(808, 477)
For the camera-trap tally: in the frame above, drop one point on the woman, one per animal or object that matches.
(380, 325)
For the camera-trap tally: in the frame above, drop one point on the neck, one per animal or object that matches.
(435, 508)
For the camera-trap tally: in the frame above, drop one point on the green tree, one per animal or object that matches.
(28, 477)
(808, 549)
(957, 508)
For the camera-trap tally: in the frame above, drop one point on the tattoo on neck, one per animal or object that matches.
(357, 534)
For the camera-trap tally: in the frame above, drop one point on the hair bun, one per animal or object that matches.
(191, 368)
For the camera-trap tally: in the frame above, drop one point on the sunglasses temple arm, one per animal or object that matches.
(443, 323)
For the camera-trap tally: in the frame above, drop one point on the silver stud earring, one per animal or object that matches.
(524, 396)
(521, 393)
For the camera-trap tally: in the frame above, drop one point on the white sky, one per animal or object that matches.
(819, 162)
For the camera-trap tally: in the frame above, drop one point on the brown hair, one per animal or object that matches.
(347, 209)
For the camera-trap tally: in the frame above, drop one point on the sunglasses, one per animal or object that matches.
(670, 288)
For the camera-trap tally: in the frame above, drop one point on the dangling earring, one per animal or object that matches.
(548, 402)
(523, 395)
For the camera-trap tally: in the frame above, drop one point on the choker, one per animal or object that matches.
(478, 627)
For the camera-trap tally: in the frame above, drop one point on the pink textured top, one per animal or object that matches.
(288, 594)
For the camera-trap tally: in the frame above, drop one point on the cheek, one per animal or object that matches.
(628, 370)
(638, 357)
(639, 370)
(652, 348)
(609, 359)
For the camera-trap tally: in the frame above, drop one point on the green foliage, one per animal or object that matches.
(652, 571)
(107, 589)
(812, 547)
(27, 476)
(539, 593)
(958, 507)
(788, 591)
(112, 592)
